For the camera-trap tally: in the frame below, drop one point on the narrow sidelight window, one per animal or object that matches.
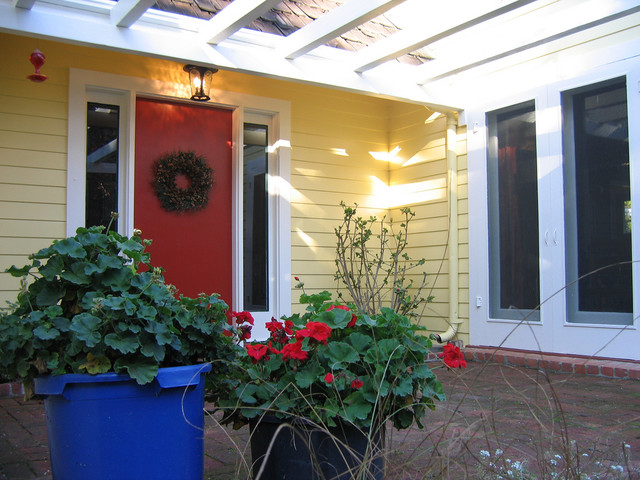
(255, 218)
(598, 204)
(102, 164)
(513, 214)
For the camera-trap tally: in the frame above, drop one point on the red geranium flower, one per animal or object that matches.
(328, 377)
(273, 325)
(318, 331)
(288, 326)
(453, 357)
(357, 383)
(294, 351)
(257, 352)
(244, 332)
(272, 349)
(242, 317)
(352, 322)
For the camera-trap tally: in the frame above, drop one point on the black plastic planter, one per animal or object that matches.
(296, 449)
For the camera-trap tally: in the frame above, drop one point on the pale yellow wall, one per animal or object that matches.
(333, 134)
(418, 180)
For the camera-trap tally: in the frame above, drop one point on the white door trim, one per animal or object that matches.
(85, 85)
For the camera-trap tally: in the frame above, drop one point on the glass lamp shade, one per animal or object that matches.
(200, 81)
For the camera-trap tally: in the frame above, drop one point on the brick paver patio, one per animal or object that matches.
(525, 412)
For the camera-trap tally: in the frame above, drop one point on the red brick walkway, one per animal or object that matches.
(525, 412)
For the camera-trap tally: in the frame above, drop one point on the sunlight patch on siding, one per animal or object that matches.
(393, 196)
(310, 242)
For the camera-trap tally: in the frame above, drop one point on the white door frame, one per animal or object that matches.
(123, 90)
(553, 333)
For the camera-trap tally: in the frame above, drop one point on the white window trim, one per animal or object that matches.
(511, 333)
(85, 85)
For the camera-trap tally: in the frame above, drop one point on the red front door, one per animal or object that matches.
(193, 247)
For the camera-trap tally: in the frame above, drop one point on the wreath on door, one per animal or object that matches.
(194, 167)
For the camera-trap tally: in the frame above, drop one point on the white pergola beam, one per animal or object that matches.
(233, 17)
(126, 12)
(26, 4)
(561, 23)
(408, 41)
(333, 23)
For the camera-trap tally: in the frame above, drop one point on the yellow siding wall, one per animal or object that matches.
(333, 134)
(418, 180)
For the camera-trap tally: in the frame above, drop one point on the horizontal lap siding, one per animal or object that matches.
(334, 138)
(33, 147)
(333, 134)
(419, 180)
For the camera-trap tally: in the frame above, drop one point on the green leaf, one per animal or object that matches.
(386, 349)
(245, 394)
(61, 323)
(118, 280)
(53, 311)
(50, 294)
(53, 267)
(153, 350)
(69, 247)
(123, 342)
(308, 374)
(359, 341)
(422, 371)
(402, 386)
(20, 272)
(142, 371)
(86, 327)
(147, 312)
(46, 333)
(336, 318)
(76, 274)
(341, 352)
(95, 365)
(357, 407)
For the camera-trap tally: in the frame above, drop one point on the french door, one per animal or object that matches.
(559, 246)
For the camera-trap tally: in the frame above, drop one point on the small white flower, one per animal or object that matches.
(484, 453)
(499, 452)
(553, 462)
(617, 468)
(558, 456)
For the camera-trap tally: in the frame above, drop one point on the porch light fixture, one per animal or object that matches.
(200, 81)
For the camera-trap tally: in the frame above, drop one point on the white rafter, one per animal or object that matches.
(233, 17)
(126, 12)
(557, 21)
(406, 41)
(467, 38)
(333, 23)
(26, 4)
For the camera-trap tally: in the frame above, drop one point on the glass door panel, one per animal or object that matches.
(598, 205)
(514, 259)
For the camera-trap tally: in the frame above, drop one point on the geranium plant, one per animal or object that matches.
(93, 303)
(333, 365)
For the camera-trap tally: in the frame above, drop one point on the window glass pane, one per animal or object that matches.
(513, 214)
(598, 207)
(255, 219)
(102, 164)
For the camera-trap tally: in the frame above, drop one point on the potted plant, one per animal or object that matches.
(119, 358)
(336, 377)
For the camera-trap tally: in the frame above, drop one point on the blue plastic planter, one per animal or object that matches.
(107, 427)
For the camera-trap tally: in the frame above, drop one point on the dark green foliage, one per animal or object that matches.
(93, 303)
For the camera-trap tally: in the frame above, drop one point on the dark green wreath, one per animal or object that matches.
(195, 168)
